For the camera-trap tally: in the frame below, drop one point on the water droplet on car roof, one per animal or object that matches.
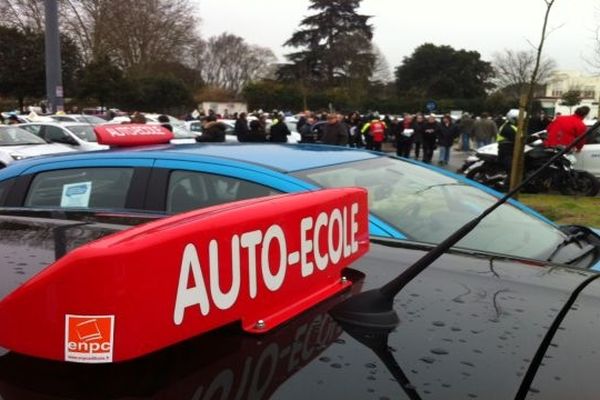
(439, 351)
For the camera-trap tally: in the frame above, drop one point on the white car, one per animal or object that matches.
(589, 157)
(77, 136)
(231, 137)
(17, 144)
(82, 118)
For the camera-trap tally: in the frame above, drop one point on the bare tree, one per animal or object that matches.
(86, 21)
(381, 69)
(133, 33)
(228, 62)
(514, 69)
(525, 105)
(22, 14)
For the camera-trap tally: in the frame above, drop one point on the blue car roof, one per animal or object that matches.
(284, 158)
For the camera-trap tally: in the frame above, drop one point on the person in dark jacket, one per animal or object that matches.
(257, 133)
(431, 131)
(306, 132)
(404, 136)
(279, 130)
(466, 131)
(165, 122)
(506, 144)
(418, 128)
(354, 125)
(334, 132)
(537, 123)
(241, 128)
(446, 135)
(212, 131)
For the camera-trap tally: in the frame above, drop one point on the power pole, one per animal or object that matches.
(54, 88)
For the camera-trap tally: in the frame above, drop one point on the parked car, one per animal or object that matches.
(408, 200)
(589, 157)
(77, 136)
(18, 144)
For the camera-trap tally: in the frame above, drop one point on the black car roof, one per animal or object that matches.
(470, 326)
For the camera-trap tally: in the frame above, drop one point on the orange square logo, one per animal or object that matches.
(89, 338)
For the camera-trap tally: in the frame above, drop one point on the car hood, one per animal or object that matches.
(469, 328)
(36, 150)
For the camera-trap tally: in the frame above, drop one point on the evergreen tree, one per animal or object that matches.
(22, 65)
(335, 46)
(443, 72)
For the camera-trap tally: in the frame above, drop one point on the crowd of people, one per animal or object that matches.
(413, 135)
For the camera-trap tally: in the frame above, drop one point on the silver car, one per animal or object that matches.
(17, 143)
(78, 136)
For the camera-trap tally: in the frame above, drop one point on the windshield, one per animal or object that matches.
(427, 206)
(90, 119)
(84, 132)
(14, 136)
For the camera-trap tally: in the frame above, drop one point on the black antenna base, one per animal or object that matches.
(369, 309)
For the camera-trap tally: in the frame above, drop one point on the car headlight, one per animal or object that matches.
(17, 157)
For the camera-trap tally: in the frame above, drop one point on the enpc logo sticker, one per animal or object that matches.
(89, 338)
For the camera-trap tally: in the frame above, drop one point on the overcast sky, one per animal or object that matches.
(401, 25)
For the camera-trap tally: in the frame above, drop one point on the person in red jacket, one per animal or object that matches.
(376, 132)
(564, 130)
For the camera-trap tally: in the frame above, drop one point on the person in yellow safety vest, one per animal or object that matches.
(506, 143)
(375, 134)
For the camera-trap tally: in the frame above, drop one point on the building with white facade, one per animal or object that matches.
(563, 81)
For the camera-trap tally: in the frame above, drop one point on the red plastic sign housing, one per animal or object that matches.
(129, 135)
(258, 263)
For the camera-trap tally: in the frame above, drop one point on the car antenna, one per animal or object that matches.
(374, 308)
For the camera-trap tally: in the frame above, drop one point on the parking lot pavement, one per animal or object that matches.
(457, 158)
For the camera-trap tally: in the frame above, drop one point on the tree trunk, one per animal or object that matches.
(525, 110)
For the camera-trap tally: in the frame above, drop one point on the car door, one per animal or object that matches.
(589, 157)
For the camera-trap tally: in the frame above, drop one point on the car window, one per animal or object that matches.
(35, 129)
(61, 118)
(596, 138)
(16, 136)
(84, 132)
(189, 190)
(196, 127)
(89, 119)
(54, 133)
(80, 188)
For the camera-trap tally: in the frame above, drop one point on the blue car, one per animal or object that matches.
(417, 204)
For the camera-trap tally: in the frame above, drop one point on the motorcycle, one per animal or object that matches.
(484, 167)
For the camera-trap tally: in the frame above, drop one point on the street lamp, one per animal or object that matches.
(54, 88)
